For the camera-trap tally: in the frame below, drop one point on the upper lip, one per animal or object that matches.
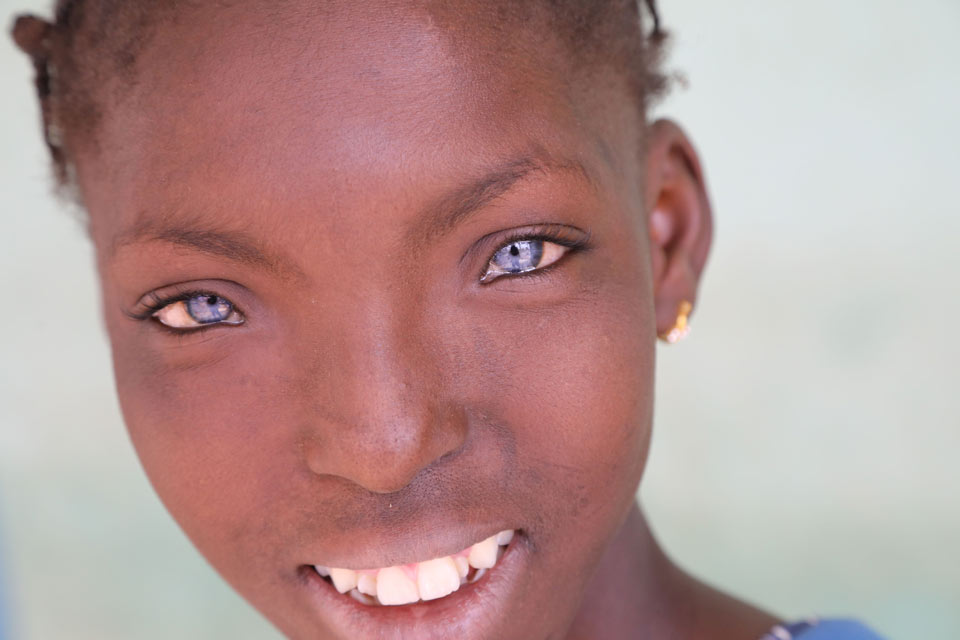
(369, 550)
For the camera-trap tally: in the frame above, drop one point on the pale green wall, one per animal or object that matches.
(807, 431)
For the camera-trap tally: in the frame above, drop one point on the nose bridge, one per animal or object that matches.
(391, 380)
(389, 417)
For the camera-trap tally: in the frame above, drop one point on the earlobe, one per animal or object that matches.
(679, 222)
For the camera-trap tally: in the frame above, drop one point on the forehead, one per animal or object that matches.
(279, 106)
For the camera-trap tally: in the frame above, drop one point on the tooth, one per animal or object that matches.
(476, 576)
(437, 578)
(463, 567)
(367, 583)
(504, 537)
(483, 555)
(343, 579)
(359, 597)
(394, 587)
(323, 571)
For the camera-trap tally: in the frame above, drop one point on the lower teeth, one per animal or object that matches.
(363, 598)
(476, 576)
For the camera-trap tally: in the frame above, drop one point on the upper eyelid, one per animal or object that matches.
(491, 242)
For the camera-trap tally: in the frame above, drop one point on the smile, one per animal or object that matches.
(426, 580)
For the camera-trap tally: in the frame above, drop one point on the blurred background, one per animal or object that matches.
(805, 453)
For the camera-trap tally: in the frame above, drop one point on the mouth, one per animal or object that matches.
(427, 580)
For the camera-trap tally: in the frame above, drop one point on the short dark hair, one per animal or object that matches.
(91, 41)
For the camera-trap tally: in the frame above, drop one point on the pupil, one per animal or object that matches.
(519, 256)
(206, 309)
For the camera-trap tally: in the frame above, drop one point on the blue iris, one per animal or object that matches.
(519, 256)
(207, 309)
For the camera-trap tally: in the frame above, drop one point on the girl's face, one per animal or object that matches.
(420, 251)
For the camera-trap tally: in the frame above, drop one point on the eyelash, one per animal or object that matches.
(557, 235)
(154, 302)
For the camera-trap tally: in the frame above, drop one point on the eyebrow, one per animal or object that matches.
(438, 219)
(234, 245)
(455, 207)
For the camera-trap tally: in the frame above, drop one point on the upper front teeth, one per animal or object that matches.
(394, 587)
(367, 583)
(437, 578)
(426, 580)
(343, 579)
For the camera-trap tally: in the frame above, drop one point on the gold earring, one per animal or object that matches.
(681, 327)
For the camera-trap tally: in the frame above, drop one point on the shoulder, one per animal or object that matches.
(822, 630)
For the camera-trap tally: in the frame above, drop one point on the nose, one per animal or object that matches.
(382, 417)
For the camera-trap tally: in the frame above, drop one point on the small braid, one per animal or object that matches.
(656, 33)
(655, 82)
(33, 36)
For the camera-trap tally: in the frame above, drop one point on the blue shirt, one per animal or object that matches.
(822, 630)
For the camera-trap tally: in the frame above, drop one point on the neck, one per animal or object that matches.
(637, 592)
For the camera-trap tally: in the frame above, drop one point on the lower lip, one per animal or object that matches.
(462, 614)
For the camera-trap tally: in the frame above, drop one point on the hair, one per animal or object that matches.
(91, 47)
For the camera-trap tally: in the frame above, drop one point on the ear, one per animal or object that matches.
(31, 34)
(680, 221)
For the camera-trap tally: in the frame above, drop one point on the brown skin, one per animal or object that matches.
(380, 405)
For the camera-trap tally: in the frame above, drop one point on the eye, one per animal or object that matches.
(522, 255)
(197, 311)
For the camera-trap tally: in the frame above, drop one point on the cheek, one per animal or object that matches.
(574, 384)
(208, 429)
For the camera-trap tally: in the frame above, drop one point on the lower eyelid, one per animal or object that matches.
(531, 276)
(184, 333)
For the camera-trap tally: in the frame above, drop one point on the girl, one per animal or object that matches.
(383, 282)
